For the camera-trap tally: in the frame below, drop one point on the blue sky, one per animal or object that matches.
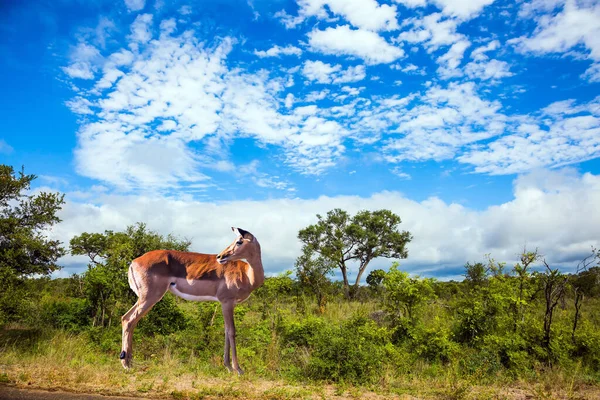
(267, 112)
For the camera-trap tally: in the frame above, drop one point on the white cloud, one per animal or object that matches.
(488, 70)
(577, 24)
(141, 30)
(450, 61)
(437, 124)
(433, 30)
(592, 74)
(445, 235)
(565, 134)
(174, 90)
(185, 10)
(483, 68)
(462, 9)
(410, 69)
(479, 53)
(135, 5)
(277, 51)
(364, 14)
(85, 60)
(326, 73)
(342, 40)
(400, 173)
(412, 3)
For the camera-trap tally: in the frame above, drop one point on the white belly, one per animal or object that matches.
(190, 297)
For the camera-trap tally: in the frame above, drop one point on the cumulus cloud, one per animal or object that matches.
(577, 24)
(364, 14)
(343, 40)
(85, 59)
(135, 5)
(484, 68)
(277, 51)
(554, 211)
(461, 9)
(326, 73)
(450, 61)
(433, 31)
(564, 134)
(166, 91)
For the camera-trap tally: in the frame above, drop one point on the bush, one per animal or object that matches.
(71, 314)
(353, 352)
(435, 344)
(164, 318)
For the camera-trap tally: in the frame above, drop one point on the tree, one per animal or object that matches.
(341, 240)
(375, 279)
(25, 250)
(524, 289)
(584, 283)
(110, 253)
(404, 295)
(554, 285)
(312, 274)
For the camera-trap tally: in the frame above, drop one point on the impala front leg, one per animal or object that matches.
(226, 359)
(230, 337)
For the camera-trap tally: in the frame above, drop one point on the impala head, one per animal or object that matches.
(242, 247)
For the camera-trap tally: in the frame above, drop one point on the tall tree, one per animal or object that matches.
(343, 240)
(25, 250)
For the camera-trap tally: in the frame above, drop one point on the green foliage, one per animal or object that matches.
(405, 295)
(342, 240)
(375, 278)
(164, 318)
(354, 352)
(71, 314)
(435, 344)
(312, 275)
(273, 290)
(24, 248)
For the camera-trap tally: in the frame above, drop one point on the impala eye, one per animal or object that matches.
(241, 242)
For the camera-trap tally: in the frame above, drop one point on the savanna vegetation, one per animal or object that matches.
(506, 331)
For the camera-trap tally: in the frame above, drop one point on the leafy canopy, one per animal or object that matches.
(25, 249)
(343, 240)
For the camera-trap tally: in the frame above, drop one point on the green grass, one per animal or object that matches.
(188, 364)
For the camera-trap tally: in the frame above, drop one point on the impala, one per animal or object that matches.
(198, 277)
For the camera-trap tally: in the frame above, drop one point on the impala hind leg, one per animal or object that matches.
(129, 321)
(230, 338)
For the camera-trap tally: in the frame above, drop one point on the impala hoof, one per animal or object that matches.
(239, 371)
(126, 364)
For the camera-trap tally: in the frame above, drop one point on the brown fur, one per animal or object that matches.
(196, 266)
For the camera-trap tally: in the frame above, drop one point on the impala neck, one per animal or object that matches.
(255, 261)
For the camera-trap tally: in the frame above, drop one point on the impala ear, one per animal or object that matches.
(244, 234)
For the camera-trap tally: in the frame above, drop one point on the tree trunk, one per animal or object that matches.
(361, 269)
(346, 284)
(578, 303)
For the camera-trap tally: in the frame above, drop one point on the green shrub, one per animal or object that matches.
(71, 314)
(435, 344)
(353, 352)
(164, 318)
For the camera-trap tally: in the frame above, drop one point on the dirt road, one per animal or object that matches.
(10, 393)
